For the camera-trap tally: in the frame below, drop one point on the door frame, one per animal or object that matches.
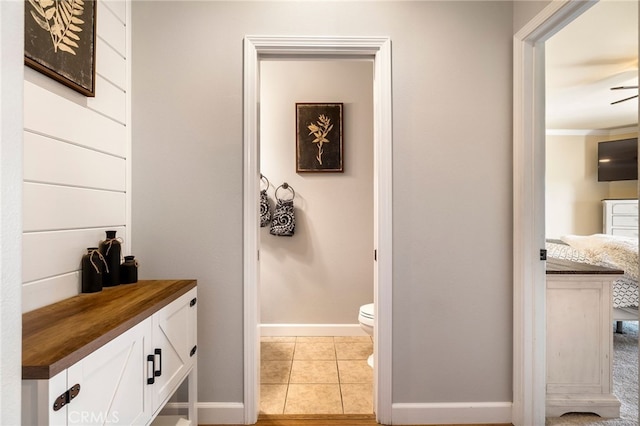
(379, 50)
(529, 275)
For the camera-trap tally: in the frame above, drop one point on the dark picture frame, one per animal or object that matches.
(60, 39)
(319, 141)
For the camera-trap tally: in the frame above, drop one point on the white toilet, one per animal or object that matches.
(365, 318)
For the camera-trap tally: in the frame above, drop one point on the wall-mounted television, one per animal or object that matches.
(618, 160)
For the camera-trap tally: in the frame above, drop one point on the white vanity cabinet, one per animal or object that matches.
(114, 357)
(620, 217)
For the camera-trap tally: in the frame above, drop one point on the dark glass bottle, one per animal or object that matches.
(111, 250)
(93, 267)
(129, 270)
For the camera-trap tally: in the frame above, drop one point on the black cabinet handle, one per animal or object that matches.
(151, 359)
(158, 372)
(193, 302)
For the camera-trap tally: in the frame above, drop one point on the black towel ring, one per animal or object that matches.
(286, 186)
(263, 179)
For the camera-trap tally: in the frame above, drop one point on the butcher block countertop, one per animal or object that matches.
(57, 336)
(567, 267)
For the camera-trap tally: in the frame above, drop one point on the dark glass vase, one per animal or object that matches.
(93, 267)
(111, 250)
(129, 270)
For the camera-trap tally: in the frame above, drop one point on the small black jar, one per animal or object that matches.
(129, 270)
(93, 268)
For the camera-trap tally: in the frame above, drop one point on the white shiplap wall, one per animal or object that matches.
(76, 165)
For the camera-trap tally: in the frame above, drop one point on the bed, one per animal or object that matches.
(606, 250)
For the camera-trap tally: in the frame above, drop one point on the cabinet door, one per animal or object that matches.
(173, 341)
(111, 381)
(38, 397)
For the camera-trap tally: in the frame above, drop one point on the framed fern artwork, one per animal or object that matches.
(319, 137)
(59, 41)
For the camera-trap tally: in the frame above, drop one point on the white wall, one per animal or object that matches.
(452, 171)
(524, 11)
(75, 165)
(324, 272)
(11, 75)
(573, 194)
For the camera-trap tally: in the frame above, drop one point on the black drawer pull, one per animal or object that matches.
(158, 372)
(151, 359)
(193, 302)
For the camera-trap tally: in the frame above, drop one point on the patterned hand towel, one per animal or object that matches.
(265, 209)
(283, 223)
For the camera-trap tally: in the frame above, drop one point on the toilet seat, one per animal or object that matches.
(365, 315)
(367, 310)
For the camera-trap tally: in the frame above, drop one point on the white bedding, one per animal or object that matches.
(605, 250)
(608, 250)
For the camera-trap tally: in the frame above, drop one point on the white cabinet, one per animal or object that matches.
(579, 339)
(128, 379)
(107, 386)
(620, 217)
(174, 347)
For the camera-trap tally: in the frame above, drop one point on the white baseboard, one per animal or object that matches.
(220, 413)
(452, 413)
(274, 330)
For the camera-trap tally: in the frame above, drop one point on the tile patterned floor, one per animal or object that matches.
(316, 375)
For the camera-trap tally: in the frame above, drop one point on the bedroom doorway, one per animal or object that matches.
(377, 49)
(529, 207)
(576, 184)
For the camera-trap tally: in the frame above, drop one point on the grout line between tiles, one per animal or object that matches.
(340, 384)
(335, 352)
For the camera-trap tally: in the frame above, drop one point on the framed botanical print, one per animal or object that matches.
(319, 137)
(60, 39)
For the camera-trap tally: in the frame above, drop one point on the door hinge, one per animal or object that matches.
(66, 397)
(543, 254)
